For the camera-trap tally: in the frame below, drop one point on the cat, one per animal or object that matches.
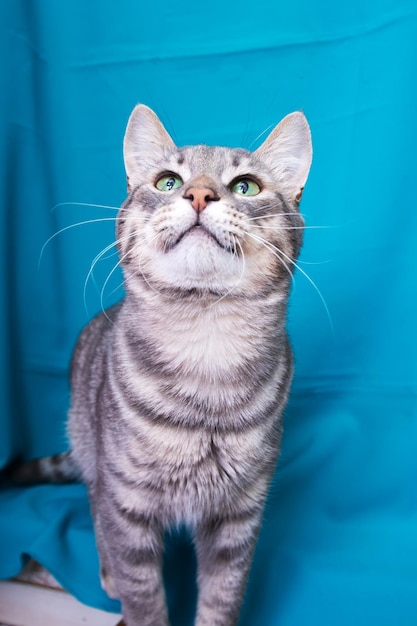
(178, 390)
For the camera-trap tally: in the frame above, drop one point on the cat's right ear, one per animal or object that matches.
(145, 141)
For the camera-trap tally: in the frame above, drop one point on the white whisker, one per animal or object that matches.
(277, 228)
(280, 254)
(268, 128)
(139, 271)
(99, 257)
(94, 262)
(89, 204)
(313, 262)
(260, 217)
(62, 230)
(109, 275)
(269, 246)
(273, 205)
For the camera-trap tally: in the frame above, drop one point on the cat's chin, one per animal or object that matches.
(199, 261)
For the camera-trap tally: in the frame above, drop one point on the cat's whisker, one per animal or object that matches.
(90, 273)
(268, 128)
(138, 260)
(100, 257)
(274, 205)
(278, 228)
(313, 262)
(115, 289)
(109, 275)
(242, 254)
(279, 254)
(69, 227)
(276, 252)
(88, 204)
(260, 217)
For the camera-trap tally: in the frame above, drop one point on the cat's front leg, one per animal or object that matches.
(224, 549)
(134, 555)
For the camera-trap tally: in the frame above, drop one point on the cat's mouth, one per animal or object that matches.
(199, 231)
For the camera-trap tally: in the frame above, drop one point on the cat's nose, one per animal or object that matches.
(200, 197)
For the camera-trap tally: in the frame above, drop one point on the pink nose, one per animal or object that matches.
(200, 197)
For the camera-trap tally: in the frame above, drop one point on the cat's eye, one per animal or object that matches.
(246, 187)
(168, 182)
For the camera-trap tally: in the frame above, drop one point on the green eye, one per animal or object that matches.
(168, 182)
(246, 187)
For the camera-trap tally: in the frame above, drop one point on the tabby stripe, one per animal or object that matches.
(144, 354)
(134, 555)
(133, 585)
(229, 614)
(132, 484)
(134, 517)
(199, 419)
(213, 525)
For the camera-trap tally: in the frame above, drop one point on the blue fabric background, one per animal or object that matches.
(339, 542)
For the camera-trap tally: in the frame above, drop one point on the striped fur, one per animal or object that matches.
(178, 391)
(58, 468)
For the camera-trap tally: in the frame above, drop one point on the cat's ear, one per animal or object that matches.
(145, 141)
(288, 152)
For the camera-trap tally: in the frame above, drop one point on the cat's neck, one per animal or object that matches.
(187, 308)
(204, 333)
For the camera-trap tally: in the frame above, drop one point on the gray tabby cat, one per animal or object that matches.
(178, 391)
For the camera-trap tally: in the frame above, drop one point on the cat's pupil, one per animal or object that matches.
(170, 183)
(243, 187)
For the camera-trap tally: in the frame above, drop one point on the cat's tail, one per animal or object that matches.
(58, 469)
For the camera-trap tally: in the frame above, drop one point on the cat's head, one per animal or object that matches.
(212, 218)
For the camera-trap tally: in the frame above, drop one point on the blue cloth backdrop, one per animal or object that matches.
(339, 541)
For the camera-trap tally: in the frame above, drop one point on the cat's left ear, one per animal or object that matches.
(288, 152)
(146, 140)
